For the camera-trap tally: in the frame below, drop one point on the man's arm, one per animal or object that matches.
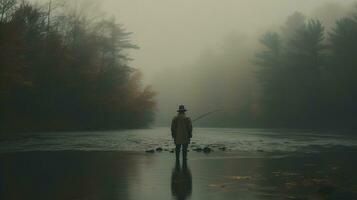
(189, 125)
(173, 128)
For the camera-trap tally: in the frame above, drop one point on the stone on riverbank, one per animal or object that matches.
(207, 150)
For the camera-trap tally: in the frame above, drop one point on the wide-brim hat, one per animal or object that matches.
(182, 109)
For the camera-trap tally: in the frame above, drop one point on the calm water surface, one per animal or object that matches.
(257, 165)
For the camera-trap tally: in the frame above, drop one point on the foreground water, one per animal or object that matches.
(141, 140)
(257, 165)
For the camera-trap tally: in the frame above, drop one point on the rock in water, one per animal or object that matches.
(159, 149)
(207, 150)
(197, 149)
(150, 151)
(222, 148)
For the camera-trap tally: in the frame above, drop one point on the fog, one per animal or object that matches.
(200, 53)
(174, 35)
(89, 88)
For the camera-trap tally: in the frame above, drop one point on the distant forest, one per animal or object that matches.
(308, 77)
(63, 71)
(300, 74)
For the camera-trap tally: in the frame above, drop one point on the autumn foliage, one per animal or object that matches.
(65, 72)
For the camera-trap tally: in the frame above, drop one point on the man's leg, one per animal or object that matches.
(177, 151)
(184, 151)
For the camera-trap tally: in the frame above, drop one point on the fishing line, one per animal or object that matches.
(205, 115)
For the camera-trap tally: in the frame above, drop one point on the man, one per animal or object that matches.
(181, 130)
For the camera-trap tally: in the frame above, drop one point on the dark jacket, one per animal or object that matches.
(181, 129)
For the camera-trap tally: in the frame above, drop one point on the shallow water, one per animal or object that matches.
(144, 139)
(91, 175)
(257, 165)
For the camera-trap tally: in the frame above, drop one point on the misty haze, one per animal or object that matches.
(189, 99)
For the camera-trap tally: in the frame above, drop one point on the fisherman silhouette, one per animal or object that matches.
(181, 131)
(181, 181)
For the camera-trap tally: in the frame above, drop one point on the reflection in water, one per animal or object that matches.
(181, 181)
(65, 175)
(62, 175)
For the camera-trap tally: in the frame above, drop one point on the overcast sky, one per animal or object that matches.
(173, 33)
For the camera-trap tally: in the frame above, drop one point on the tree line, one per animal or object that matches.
(63, 71)
(307, 75)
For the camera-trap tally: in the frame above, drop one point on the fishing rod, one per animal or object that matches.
(205, 115)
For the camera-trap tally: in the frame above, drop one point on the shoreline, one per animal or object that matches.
(345, 130)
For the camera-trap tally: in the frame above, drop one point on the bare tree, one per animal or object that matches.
(49, 16)
(6, 7)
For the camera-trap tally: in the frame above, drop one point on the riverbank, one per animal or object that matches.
(219, 175)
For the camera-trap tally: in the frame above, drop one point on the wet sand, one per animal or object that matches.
(78, 175)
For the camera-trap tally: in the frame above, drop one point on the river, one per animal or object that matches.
(256, 164)
(144, 139)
